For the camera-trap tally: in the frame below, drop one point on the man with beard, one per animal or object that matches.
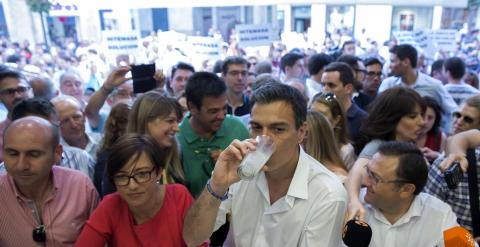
(13, 88)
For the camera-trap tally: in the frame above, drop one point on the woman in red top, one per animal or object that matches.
(432, 140)
(142, 212)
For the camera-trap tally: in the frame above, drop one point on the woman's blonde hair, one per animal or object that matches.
(320, 142)
(340, 130)
(148, 107)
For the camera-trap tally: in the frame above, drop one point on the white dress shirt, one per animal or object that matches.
(422, 225)
(310, 214)
(313, 88)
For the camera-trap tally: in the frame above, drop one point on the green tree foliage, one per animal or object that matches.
(39, 6)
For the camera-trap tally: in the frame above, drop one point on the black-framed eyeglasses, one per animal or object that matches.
(373, 74)
(139, 177)
(13, 91)
(39, 234)
(376, 179)
(361, 71)
(467, 119)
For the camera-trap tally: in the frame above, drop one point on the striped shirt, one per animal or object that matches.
(65, 211)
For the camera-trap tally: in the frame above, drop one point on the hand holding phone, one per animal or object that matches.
(143, 80)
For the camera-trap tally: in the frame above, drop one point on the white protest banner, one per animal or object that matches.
(205, 47)
(444, 39)
(419, 39)
(294, 40)
(121, 42)
(253, 35)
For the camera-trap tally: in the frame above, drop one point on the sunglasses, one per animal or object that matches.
(39, 235)
(467, 119)
(328, 96)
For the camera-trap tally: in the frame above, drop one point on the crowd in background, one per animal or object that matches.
(362, 131)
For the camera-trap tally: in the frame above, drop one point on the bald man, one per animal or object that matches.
(72, 125)
(42, 204)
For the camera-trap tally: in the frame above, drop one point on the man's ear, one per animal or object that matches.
(407, 190)
(192, 108)
(349, 88)
(58, 154)
(302, 132)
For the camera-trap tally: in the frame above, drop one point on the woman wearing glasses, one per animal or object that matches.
(396, 114)
(330, 107)
(143, 212)
(158, 116)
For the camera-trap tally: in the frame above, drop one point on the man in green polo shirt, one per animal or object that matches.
(206, 129)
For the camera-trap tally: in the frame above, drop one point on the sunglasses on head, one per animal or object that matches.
(467, 119)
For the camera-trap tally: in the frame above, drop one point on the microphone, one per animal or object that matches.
(357, 233)
(458, 236)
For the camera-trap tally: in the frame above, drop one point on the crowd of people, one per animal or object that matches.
(88, 162)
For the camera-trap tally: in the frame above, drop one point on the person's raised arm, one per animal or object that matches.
(457, 146)
(200, 219)
(115, 79)
(353, 185)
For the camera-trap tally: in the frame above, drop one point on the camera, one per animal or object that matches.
(453, 175)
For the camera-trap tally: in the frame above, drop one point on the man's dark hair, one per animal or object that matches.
(346, 72)
(406, 51)
(456, 67)
(35, 106)
(217, 67)
(371, 61)
(348, 42)
(201, 85)
(289, 59)
(15, 58)
(437, 66)
(232, 60)
(183, 66)
(272, 92)
(411, 162)
(352, 61)
(10, 73)
(317, 62)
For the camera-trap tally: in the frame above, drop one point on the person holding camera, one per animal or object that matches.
(465, 126)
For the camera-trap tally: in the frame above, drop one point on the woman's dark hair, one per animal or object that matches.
(132, 146)
(385, 112)
(432, 103)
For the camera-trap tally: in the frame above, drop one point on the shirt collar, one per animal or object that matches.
(352, 111)
(415, 210)
(190, 135)
(17, 193)
(299, 185)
